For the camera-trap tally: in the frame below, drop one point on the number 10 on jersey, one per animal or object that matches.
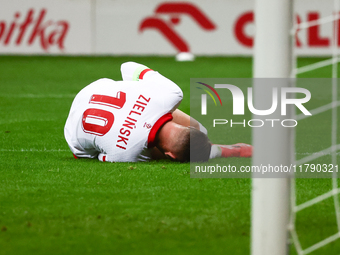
(97, 121)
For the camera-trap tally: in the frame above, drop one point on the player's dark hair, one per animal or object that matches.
(195, 147)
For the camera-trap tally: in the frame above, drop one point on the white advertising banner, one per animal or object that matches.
(148, 27)
(35, 26)
(167, 27)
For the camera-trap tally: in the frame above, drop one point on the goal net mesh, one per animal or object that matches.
(333, 193)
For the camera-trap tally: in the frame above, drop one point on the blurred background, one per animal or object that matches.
(148, 27)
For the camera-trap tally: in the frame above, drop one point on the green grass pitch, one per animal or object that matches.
(51, 203)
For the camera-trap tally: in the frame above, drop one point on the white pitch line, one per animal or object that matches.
(33, 150)
(61, 150)
(4, 122)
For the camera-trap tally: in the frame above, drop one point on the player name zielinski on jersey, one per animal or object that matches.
(117, 121)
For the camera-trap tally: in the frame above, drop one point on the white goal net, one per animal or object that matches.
(274, 227)
(333, 21)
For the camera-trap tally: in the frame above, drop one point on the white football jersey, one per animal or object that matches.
(117, 121)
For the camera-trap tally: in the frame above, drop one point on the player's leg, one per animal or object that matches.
(240, 150)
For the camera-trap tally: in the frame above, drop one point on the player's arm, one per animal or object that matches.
(169, 93)
(217, 150)
(131, 71)
(184, 119)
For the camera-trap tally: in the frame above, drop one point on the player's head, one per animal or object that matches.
(185, 144)
(200, 146)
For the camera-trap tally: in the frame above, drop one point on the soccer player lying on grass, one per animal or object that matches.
(137, 120)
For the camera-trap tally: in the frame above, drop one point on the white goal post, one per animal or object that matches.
(274, 146)
(274, 206)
